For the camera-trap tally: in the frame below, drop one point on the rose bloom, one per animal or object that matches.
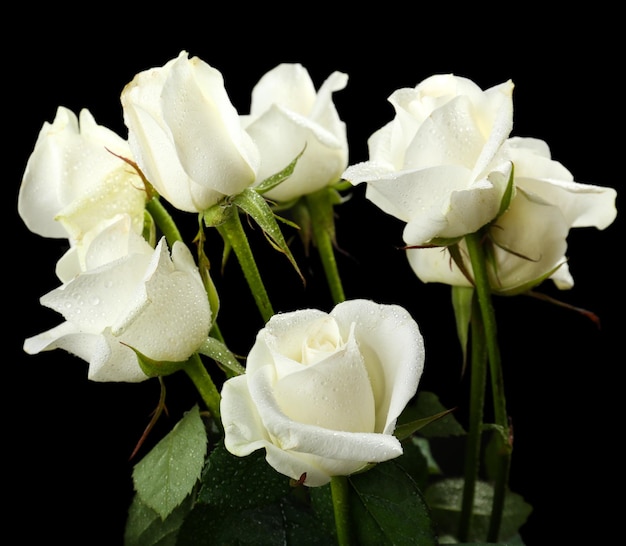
(436, 165)
(186, 135)
(286, 114)
(322, 391)
(529, 241)
(131, 295)
(73, 179)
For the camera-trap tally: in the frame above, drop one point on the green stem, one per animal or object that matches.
(339, 491)
(233, 232)
(164, 221)
(322, 220)
(478, 371)
(204, 384)
(483, 292)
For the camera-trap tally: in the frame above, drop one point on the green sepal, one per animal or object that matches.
(256, 206)
(507, 196)
(204, 267)
(217, 214)
(156, 368)
(462, 304)
(528, 286)
(343, 185)
(426, 409)
(215, 349)
(457, 257)
(406, 429)
(149, 228)
(441, 242)
(279, 177)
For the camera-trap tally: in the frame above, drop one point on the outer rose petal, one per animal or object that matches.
(583, 205)
(143, 299)
(433, 165)
(389, 333)
(287, 117)
(107, 361)
(186, 135)
(174, 318)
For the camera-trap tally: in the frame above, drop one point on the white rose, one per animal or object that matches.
(436, 165)
(286, 114)
(186, 135)
(73, 179)
(131, 295)
(529, 240)
(322, 391)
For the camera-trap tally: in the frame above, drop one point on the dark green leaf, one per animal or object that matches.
(144, 527)
(240, 482)
(243, 500)
(445, 496)
(387, 508)
(283, 522)
(416, 462)
(405, 430)
(428, 404)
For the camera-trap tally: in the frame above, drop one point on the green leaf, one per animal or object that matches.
(285, 521)
(444, 499)
(417, 460)
(387, 508)
(168, 473)
(144, 527)
(243, 500)
(432, 466)
(215, 349)
(240, 482)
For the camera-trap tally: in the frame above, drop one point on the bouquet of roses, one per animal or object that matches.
(320, 434)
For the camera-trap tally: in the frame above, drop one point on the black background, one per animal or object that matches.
(68, 440)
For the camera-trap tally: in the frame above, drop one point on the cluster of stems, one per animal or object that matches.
(484, 361)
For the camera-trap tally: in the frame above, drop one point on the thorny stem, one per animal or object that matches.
(487, 315)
